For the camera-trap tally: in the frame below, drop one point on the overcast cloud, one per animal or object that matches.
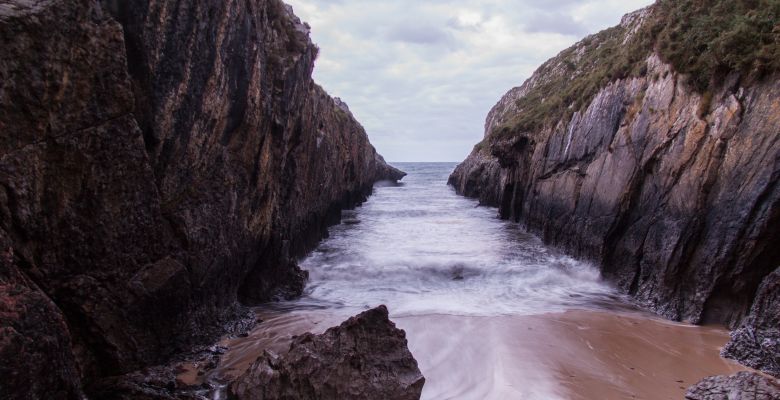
(422, 75)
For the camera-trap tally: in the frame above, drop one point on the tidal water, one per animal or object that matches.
(489, 311)
(421, 249)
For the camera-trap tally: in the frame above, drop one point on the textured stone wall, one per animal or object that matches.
(160, 162)
(676, 196)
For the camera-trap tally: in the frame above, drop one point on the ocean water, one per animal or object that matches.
(421, 249)
(489, 311)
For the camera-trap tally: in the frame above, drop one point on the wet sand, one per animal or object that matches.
(570, 355)
(433, 258)
(573, 355)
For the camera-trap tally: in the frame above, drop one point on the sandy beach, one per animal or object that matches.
(569, 355)
(572, 355)
(489, 310)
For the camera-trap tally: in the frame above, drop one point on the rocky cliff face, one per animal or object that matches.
(161, 161)
(756, 343)
(674, 192)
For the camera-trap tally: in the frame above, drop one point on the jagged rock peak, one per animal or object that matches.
(302, 27)
(366, 357)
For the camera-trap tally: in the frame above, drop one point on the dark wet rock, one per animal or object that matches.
(36, 360)
(675, 194)
(740, 386)
(158, 383)
(366, 357)
(160, 161)
(756, 343)
(478, 176)
(171, 381)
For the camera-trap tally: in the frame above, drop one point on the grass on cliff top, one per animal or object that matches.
(705, 39)
(710, 39)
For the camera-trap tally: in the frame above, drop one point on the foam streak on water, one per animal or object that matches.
(421, 249)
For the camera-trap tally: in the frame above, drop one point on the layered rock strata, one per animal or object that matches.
(675, 193)
(161, 161)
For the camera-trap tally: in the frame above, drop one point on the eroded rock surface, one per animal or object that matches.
(756, 343)
(160, 162)
(36, 361)
(366, 357)
(676, 194)
(740, 386)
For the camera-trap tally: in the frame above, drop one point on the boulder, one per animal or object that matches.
(162, 165)
(366, 357)
(740, 386)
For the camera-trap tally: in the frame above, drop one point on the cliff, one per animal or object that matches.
(660, 167)
(162, 163)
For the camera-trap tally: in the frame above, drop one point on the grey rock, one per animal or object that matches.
(740, 386)
(756, 343)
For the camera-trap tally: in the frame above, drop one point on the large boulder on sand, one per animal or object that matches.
(740, 386)
(366, 357)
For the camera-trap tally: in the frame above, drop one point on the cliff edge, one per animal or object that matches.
(162, 163)
(653, 148)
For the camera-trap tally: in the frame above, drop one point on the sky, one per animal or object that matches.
(421, 75)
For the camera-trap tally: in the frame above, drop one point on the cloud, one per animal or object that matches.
(422, 75)
(555, 22)
(418, 33)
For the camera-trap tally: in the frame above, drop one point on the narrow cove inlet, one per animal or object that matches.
(195, 202)
(489, 311)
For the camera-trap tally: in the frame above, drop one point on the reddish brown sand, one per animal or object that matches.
(574, 355)
(571, 355)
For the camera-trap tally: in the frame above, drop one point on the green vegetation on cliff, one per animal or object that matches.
(710, 39)
(704, 39)
(569, 81)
